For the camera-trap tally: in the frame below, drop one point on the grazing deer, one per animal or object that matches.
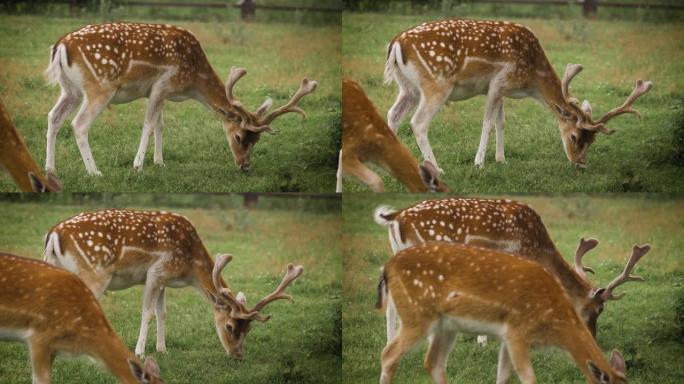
(116, 63)
(441, 288)
(457, 59)
(115, 249)
(366, 138)
(506, 226)
(52, 311)
(17, 160)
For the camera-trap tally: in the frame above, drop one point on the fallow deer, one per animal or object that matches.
(17, 160)
(116, 63)
(367, 138)
(440, 289)
(507, 226)
(115, 249)
(457, 59)
(52, 311)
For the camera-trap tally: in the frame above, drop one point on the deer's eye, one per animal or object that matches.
(238, 138)
(573, 137)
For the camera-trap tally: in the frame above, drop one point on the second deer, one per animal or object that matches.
(52, 311)
(17, 160)
(366, 138)
(440, 289)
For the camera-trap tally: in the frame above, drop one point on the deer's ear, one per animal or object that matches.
(429, 174)
(151, 367)
(586, 108)
(598, 375)
(36, 184)
(241, 298)
(564, 114)
(137, 370)
(618, 363)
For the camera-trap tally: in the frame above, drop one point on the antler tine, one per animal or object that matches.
(307, 86)
(637, 253)
(292, 273)
(235, 75)
(640, 88)
(571, 70)
(220, 263)
(584, 246)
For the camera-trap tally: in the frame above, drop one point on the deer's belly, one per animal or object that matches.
(129, 93)
(474, 326)
(464, 90)
(126, 278)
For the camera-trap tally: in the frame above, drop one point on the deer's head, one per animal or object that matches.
(577, 127)
(147, 373)
(232, 316)
(244, 128)
(430, 176)
(615, 374)
(592, 307)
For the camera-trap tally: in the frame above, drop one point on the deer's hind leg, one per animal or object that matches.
(67, 102)
(431, 101)
(407, 337)
(406, 101)
(441, 343)
(93, 104)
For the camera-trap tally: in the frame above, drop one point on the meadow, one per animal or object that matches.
(301, 156)
(300, 343)
(642, 155)
(646, 326)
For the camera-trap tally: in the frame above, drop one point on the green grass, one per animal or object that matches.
(301, 343)
(640, 156)
(644, 325)
(301, 157)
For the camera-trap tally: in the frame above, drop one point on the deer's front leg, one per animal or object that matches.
(492, 107)
(437, 355)
(500, 158)
(152, 120)
(504, 367)
(153, 289)
(160, 312)
(158, 128)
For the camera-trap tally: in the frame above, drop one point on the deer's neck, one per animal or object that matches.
(549, 87)
(114, 355)
(403, 166)
(203, 265)
(210, 92)
(577, 287)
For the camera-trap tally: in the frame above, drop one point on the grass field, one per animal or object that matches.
(645, 325)
(301, 157)
(300, 344)
(643, 155)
